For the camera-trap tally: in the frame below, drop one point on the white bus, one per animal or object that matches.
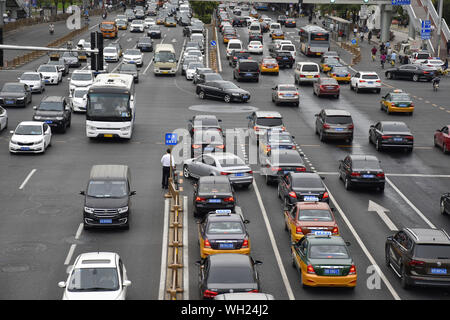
(111, 106)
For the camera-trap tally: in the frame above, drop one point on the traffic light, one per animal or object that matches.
(97, 58)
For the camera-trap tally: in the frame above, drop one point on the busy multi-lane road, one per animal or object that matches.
(41, 231)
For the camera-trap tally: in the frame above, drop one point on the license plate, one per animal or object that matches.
(331, 271)
(226, 246)
(248, 74)
(245, 97)
(285, 58)
(25, 148)
(438, 271)
(368, 175)
(270, 67)
(309, 76)
(310, 198)
(48, 121)
(108, 135)
(318, 53)
(165, 72)
(370, 82)
(238, 174)
(209, 149)
(9, 101)
(214, 200)
(105, 221)
(132, 62)
(402, 105)
(398, 139)
(339, 129)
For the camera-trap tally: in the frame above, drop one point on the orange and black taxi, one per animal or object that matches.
(269, 65)
(222, 231)
(324, 261)
(397, 101)
(303, 218)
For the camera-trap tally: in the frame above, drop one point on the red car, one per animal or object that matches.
(442, 138)
(326, 87)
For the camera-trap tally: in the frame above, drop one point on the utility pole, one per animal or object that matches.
(439, 29)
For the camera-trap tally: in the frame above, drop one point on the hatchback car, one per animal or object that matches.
(419, 257)
(302, 186)
(334, 124)
(390, 135)
(326, 87)
(30, 137)
(219, 164)
(15, 94)
(96, 276)
(212, 193)
(442, 138)
(54, 111)
(34, 80)
(285, 93)
(246, 69)
(361, 171)
(224, 90)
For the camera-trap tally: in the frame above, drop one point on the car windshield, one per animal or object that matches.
(432, 251)
(107, 189)
(165, 56)
(29, 130)
(145, 40)
(398, 127)
(133, 52)
(13, 87)
(51, 106)
(213, 76)
(194, 53)
(109, 105)
(154, 28)
(80, 93)
(225, 227)
(331, 61)
(314, 215)
(280, 138)
(365, 164)
(137, 22)
(307, 182)
(400, 97)
(423, 56)
(269, 122)
(109, 50)
(30, 76)
(328, 252)
(231, 274)
(81, 76)
(47, 69)
(338, 120)
(107, 26)
(93, 279)
(370, 76)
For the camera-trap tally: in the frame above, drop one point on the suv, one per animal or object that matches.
(363, 80)
(284, 58)
(419, 256)
(238, 55)
(55, 111)
(334, 124)
(246, 69)
(306, 72)
(260, 121)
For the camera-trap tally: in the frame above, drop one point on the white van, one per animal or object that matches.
(234, 44)
(274, 26)
(306, 72)
(165, 61)
(289, 47)
(254, 27)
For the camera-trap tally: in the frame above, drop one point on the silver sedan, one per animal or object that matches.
(216, 164)
(285, 93)
(3, 119)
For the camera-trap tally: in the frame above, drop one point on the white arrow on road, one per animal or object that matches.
(373, 206)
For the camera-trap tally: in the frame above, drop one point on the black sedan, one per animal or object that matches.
(223, 272)
(54, 111)
(413, 72)
(154, 32)
(225, 90)
(203, 121)
(145, 44)
(284, 58)
(213, 193)
(207, 140)
(445, 203)
(15, 94)
(302, 186)
(129, 68)
(280, 162)
(391, 134)
(361, 170)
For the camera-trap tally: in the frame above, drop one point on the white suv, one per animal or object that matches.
(80, 78)
(364, 80)
(306, 72)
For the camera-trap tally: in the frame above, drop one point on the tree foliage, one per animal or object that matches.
(203, 9)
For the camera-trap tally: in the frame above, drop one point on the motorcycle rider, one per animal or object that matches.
(51, 28)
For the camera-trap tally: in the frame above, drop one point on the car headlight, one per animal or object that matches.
(91, 128)
(89, 210)
(37, 117)
(122, 210)
(21, 98)
(14, 141)
(39, 142)
(125, 128)
(59, 118)
(236, 94)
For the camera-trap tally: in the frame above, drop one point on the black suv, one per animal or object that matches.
(247, 70)
(237, 55)
(55, 111)
(420, 257)
(284, 58)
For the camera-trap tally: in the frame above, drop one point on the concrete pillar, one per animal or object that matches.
(386, 19)
(411, 30)
(381, 19)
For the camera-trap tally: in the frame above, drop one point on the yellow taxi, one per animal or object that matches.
(326, 63)
(340, 73)
(306, 217)
(277, 34)
(397, 101)
(122, 24)
(269, 65)
(170, 22)
(229, 35)
(160, 21)
(223, 232)
(324, 261)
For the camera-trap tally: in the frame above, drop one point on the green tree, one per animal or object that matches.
(203, 9)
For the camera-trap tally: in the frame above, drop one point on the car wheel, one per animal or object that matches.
(201, 95)
(387, 259)
(347, 184)
(227, 98)
(321, 137)
(268, 180)
(415, 78)
(378, 90)
(444, 149)
(442, 207)
(186, 172)
(378, 145)
(278, 191)
(404, 282)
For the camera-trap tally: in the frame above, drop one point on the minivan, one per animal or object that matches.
(246, 69)
(254, 27)
(107, 200)
(306, 72)
(234, 44)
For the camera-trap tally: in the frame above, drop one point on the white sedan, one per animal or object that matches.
(133, 56)
(30, 137)
(78, 99)
(3, 119)
(50, 73)
(255, 47)
(149, 22)
(96, 276)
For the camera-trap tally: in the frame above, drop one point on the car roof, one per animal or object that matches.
(268, 114)
(336, 112)
(313, 206)
(96, 260)
(429, 236)
(53, 98)
(229, 259)
(214, 179)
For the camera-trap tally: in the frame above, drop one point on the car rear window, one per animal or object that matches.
(314, 215)
(278, 158)
(399, 127)
(423, 56)
(338, 119)
(288, 47)
(231, 274)
(214, 188)
(329, 81)
(269, 122)
(370, 76)
(328, 252)
(365, 164)
(432, 251)
(307, 182)
(234, 46)
(248, 66)
(310, 68)
(401, 97)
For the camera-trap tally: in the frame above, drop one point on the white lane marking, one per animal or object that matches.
(185, 250)
(27, 179)
(80, 229)
(428, 222)
(381, 211)
(218, 51)
(165, 239)
(274, 244)
(363, 247)
(70, 254)
(181, 55)
(94, 26)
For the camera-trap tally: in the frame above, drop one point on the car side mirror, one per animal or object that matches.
(198, 263)
(62, 284)
(82, 193)
(347, 243)
(11, 132)
(246, 221)
(126, 283)
(34, 107)
(390, 238)
(372, 126)
(132, 193)
(258, 262)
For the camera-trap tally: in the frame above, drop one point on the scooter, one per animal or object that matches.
(51, 29)
(435, 85)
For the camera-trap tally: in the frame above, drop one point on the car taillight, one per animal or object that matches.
(355, 174)
(224, 173)
(352, 269)
(229, 199)
(298, 230)
(274, 169)
(199, 199)
(380, 175)
(335, 230)
(414, 263)
(209, 294)
(256, 128)
(425, 72)
(350, 126)
(326, 126)
(317, 76)
(221, 146)
(292, 194)
(250, 172)
(310, 269)
(379, 81)
(409, 137)
(325, 195)
(295, 93)
(206, 243)
(302, 76)
(386, 137)
(283, 128)
(196, 146)
(300, 169)
(245, 244)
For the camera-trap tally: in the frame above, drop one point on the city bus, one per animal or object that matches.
(314, 40)
(110, 108)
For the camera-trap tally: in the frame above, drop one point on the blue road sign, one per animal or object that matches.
(400, 2)
(425, 31)
(171, 139)
(213, 43)
(353, 41)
